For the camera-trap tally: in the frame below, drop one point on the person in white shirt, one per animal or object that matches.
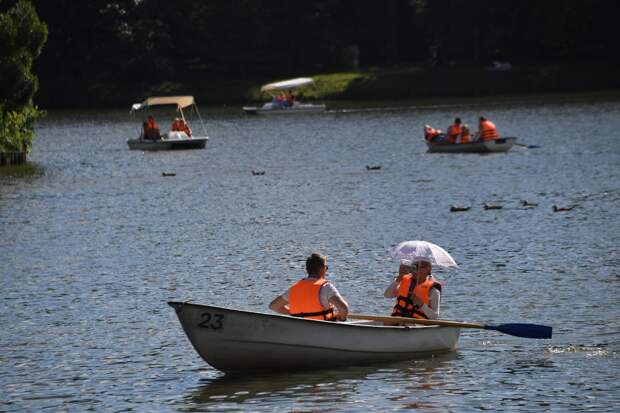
(313, 297)
(417, 292)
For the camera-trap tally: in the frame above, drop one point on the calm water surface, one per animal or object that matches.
(94, 241)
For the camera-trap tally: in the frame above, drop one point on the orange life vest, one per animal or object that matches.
(406, 290)
(453, 132)
(304, 300)
(465, 138)
(488, 131)
(180, 126)
(151, 124)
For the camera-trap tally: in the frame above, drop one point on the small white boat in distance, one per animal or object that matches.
(498, 145)
(176, 138)
(284, 107)
(235, 340)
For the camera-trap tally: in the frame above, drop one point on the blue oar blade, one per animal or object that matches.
(523, 330)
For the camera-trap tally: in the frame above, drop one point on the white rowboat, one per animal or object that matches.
(499, 145)
(236, 340)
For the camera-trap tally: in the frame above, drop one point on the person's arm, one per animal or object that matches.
(330, 295)
(342, 307)
(280, 305)
(392, 290)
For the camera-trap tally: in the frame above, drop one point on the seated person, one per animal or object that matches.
(487, 131)
(290, 98)
(454, 130)
(277, 101)
(417, 292)
(151, 130)
(465, 136)
(431, 133)
(313, 297)
(179, 125)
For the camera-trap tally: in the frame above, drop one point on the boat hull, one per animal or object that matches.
(235, 340)
(499, 145)
(301, 108)
(167, 144)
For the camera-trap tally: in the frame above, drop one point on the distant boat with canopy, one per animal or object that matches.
(180, 135)
(283, 106)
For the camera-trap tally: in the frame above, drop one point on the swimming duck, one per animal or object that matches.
(528, 204)
(455, 208)
(373, 168)
(492, 206)
(258, 172)
(168, 174)
(560, 209)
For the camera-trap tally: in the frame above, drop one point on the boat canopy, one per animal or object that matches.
(180, 101)
(287, 84)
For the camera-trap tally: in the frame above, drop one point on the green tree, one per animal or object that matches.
(22, 36)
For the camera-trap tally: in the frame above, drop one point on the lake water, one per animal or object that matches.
(94, 241)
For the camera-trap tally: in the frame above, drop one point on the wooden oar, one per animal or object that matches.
(514, 329)
(527, 146)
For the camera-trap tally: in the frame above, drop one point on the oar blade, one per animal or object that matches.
(523, 330)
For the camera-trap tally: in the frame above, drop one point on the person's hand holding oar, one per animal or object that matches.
(514, 329)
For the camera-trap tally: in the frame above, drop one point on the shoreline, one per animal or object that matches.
(443, 84)
(336, 105)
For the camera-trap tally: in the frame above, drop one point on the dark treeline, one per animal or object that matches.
(148, 41)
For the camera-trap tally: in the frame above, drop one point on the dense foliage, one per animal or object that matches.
(152, 40)
(101, 49)
(16, 128)
(22, 36)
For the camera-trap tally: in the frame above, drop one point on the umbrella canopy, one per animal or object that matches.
(422, 251)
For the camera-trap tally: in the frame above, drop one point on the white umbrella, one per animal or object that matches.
(422, 251)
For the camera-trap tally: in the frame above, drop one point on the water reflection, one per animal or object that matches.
(29, 169)
(401, 381)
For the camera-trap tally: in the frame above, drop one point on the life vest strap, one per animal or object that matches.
(324, 313)
(408, 309)
(403, 312)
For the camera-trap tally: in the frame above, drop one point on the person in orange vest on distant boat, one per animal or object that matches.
(313, 297)
(431, 133)
(454, 130)
(151, 130)
(179, 125)
(487, 130)
(417, 292)
(290, 98)
(465, 135)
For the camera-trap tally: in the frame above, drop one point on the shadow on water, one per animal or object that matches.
(27, 170)
(336, 384)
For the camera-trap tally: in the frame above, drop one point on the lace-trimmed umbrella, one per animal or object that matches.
(422, 251)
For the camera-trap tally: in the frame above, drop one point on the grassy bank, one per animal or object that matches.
(369, 84)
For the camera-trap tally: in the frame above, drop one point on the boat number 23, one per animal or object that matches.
(211, 321)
